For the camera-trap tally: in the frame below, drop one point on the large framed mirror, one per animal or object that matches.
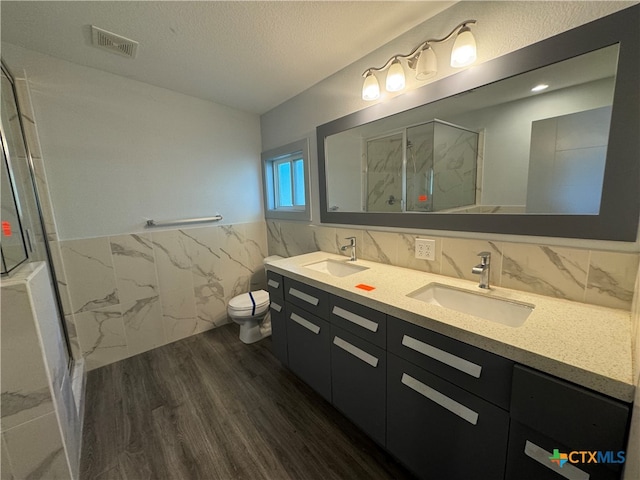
(480, 151)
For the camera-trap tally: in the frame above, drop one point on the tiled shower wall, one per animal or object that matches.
(589, 276)
(127, 294)
(41, 421)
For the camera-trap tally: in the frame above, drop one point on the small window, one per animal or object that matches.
(286, 183)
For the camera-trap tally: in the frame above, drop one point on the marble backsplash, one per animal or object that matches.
(127, 294)
(590, 276)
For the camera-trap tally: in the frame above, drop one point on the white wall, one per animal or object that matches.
(345, 190)
(118, 151)
(505, 174)
(502, 27)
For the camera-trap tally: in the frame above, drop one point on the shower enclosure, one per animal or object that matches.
(431, 167)
(23, 236)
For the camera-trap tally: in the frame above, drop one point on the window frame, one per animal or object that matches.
(270, 159)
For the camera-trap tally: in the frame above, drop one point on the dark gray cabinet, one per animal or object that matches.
(279, 331)
(308, 346)
(365, 322)
(275, 286)
(440, 431)
(549, 414)
(478, 371)
(358, 381)
(309, 298)
(445, 409)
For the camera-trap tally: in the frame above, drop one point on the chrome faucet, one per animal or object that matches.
(352, 244)
(483, 269)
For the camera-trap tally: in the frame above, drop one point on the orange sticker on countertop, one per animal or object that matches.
(368, 288)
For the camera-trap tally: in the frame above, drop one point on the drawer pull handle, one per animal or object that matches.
(357, 319)
(273, 283)
(541, 456)
(454, 361)
(355, 351)
(305, 323)
(276, 307)
(442, 400)
(304, 296)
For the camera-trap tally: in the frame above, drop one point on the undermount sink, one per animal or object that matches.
(337, 268)
(506, 312)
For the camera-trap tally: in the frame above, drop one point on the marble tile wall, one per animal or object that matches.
(41, 428)
(384, 174)
(632, 467)
(126, 294)
(130, 293)
(589, 276)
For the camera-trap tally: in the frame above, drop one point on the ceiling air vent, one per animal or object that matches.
(114, 43)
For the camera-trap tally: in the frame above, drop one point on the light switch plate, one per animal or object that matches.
(425, 249)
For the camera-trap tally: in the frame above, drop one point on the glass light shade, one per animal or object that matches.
(395, 77)
(464, 49)
(370, 87)
(427, 65)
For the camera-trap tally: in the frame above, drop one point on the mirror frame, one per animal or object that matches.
(620, 203)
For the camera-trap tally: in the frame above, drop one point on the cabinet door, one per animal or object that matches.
(358, 381)
(440, 431)
(279, 331)
(571, 414)
(308, 347)
(530, 455)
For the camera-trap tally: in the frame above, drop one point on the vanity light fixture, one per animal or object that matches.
(539, 88)
(423, 60)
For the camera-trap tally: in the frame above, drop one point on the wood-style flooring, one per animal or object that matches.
(211, 407)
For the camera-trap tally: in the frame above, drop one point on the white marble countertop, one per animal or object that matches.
(585, 344)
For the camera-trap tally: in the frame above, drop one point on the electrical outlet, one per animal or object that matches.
(425, 249)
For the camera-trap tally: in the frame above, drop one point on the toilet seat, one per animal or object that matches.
(242, 305)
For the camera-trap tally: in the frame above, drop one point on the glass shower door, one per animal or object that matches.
(20, 169)
(384, 177)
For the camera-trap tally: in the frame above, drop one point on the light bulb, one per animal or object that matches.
(370, 87)
(464, 49)
(395, 77)
(427, 65)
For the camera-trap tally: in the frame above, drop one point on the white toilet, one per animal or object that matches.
(251, 311)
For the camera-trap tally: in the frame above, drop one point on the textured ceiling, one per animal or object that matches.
(247, 55)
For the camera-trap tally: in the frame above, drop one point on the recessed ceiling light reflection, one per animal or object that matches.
(539, 88)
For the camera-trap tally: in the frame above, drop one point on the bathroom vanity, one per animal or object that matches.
(449, 394)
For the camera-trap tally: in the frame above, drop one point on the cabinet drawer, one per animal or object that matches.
(308, 348)
(529, 458)
(304, 296)
(572, 415)
(275, 286)
(279, 330)
(358, 382)
(440, 431)
(483, 373)
(360, 320)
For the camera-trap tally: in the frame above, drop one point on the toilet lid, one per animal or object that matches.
(243, 302)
